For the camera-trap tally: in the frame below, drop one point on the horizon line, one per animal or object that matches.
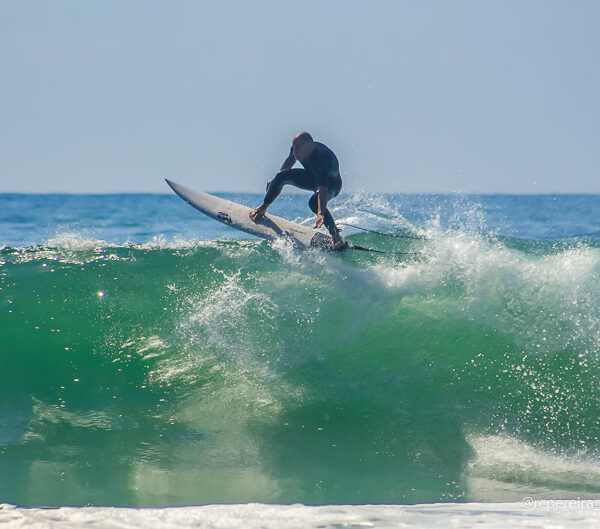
(167, 193)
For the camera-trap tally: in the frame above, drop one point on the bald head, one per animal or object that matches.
(302, 145)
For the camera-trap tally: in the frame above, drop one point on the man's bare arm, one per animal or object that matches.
(323, 197)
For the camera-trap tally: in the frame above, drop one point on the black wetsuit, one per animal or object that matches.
(321, 168)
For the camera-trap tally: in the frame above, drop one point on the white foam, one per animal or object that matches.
(545, 301)
(516, 465)
(530, 513)
(74, 241)
(74, 248)
(79, 242)
(373, 212)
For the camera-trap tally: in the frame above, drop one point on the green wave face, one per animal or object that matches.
(243, 371)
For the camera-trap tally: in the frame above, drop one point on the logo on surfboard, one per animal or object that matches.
(224, 217)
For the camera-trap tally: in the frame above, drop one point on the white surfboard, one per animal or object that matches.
(236, 215)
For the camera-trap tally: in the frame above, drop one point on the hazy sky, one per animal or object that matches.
(473, 96)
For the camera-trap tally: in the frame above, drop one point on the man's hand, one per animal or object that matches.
(320, 220)
(258, 213)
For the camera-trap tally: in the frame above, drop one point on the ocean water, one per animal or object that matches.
(151, 356)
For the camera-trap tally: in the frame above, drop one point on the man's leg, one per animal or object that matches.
(313, 204)
(296, 177)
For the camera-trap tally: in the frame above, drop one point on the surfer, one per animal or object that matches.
(321, 174)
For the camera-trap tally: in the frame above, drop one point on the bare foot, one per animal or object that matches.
(258, 213)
